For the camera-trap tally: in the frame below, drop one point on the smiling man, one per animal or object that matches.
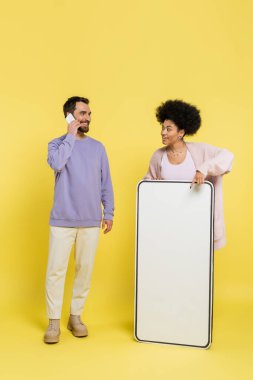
(82, 184)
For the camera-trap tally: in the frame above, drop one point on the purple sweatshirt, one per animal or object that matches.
(82, 182)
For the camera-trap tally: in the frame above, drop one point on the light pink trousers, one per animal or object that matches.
(60, 244)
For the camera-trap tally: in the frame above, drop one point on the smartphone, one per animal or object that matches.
(69, 118)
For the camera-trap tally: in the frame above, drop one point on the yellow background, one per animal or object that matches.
(126, 57)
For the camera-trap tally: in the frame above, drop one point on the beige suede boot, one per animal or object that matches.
(77, 327)
(52, 334)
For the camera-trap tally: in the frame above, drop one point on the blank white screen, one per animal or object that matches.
(174, 263)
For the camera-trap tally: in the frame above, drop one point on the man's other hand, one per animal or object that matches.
(107, 225)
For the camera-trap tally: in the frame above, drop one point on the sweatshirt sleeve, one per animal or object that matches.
(219, 164)
(59, 152)
(107, 196)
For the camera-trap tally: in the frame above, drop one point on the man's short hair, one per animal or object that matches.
(70, 104)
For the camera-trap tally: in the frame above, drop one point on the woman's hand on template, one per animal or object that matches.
(198, 178)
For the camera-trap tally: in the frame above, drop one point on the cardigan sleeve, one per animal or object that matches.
(154, 165)
(219, 162)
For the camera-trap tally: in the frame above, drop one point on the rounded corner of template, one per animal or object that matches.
(207, 345)
(210, 184)
(137, 338)
(140, 183)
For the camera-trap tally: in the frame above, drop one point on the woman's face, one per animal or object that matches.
(171, 133)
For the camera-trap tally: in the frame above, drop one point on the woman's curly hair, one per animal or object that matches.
(184, 115)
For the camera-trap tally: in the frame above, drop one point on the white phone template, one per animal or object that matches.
(174, 263)
(70, 118)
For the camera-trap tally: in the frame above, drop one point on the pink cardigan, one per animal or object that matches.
(213, 163)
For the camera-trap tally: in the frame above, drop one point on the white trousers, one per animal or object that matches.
(60, 245)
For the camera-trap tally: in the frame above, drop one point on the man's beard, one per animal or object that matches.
(83, 129)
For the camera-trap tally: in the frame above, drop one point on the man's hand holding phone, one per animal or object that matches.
(73, 124)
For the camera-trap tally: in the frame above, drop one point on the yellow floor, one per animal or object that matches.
(110, 352)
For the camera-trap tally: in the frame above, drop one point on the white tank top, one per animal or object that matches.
(184, 171)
